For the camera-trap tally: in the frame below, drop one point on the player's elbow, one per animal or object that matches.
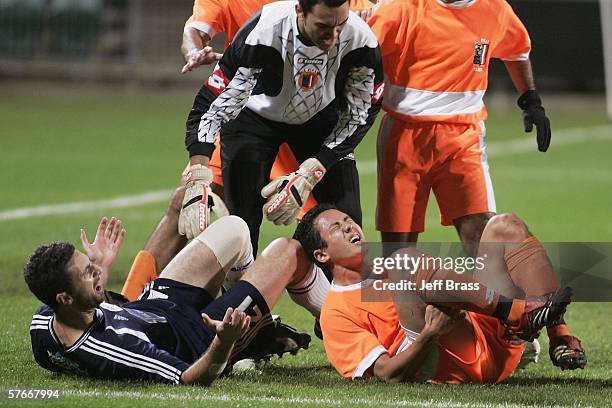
(188, 379)
(385, 370)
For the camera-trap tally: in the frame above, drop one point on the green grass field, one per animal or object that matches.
(73, 148)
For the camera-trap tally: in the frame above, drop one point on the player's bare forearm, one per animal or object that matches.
(210, 365)
(404, 366)
(165, 241)
(521, 74)
(193, 41)
(199, 159)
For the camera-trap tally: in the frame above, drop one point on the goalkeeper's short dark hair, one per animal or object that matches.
(308, 235)
(307, 5)
(46, 271)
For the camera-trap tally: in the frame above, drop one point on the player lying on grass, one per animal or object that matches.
(392, 342)
(177, 332)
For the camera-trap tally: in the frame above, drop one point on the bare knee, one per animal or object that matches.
(507, 227)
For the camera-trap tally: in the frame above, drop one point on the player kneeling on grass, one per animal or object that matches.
(467, 330)
(176, 332)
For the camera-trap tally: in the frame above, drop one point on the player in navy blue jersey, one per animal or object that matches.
(305, 73)
(176, 332)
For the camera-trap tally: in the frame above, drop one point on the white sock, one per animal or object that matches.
(310, 292)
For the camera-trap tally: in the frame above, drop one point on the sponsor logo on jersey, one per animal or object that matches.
(314, 61)
(119, 317)
(481, 51)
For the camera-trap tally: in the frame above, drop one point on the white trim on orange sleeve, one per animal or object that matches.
(518, 57)
(417, 102)
(201, 26)
(368, 361)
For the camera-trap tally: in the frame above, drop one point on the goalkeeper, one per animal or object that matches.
(308, 74)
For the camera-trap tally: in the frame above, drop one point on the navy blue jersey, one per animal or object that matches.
(121, 343)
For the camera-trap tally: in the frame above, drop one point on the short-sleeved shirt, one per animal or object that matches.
(357, 332)
(436, 55)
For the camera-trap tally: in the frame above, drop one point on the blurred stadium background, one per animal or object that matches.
(92, 108)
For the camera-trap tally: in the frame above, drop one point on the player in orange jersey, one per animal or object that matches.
(367, 333)
(436, 56)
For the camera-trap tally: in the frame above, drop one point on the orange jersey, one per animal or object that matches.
(436, 56)
(357, 332)
(227, 16)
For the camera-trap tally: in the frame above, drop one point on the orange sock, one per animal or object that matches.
(143, 271)
(530, 269)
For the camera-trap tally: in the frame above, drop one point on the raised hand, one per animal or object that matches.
(197, 58)
(104, 249)
(234, 324)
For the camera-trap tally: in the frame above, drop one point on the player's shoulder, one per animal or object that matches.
(43, 313)
(268, 23)
(271, 13)
(359, 31)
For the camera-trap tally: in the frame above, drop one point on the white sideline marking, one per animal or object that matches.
(82, 206)
(527, 144)
(519, 146)
(291, 400)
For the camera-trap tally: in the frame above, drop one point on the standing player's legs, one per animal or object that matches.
(248, 148)
(404, 158)
(517, 265)
(462, 183)
(340, 185)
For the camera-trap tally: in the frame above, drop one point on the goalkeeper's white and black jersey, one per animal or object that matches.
(121, 343)
(270, 70)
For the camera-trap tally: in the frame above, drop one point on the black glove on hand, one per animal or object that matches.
(533, 113)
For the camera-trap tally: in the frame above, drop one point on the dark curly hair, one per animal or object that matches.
(307, 5)
(46, 274)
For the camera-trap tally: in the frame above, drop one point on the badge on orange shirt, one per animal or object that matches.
(481, 51)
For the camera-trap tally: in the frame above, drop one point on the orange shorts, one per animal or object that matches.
(414, 158)
(485, 358)
(285, 163)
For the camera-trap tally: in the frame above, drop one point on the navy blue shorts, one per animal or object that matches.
(183, 304)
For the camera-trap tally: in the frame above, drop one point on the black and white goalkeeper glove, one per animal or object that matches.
(288, 193)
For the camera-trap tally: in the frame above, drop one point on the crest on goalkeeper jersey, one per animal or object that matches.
(481, 51)
(308, 80)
